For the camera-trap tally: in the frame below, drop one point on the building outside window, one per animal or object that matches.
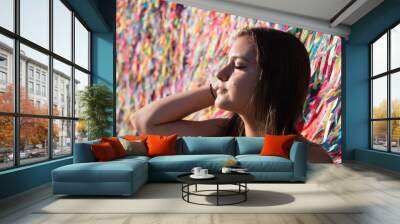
(59, 133)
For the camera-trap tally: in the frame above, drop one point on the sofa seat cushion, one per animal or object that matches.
(111, 171)
(257, 163)
(185, 163)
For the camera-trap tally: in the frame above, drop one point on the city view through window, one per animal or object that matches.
(385, 91)
(39, 114)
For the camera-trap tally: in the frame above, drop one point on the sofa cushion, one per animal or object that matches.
(116, 145)
(159, 145)
(277, 145)
(206, 145)
(111, 171)
(185, 163)
(249, 145)
(257, 163)
(103, 152)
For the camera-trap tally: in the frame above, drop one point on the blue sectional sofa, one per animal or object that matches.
(125, 176)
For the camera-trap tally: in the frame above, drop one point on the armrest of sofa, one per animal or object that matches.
(298, 155)
(83, 152)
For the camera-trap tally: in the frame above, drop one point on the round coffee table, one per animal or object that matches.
(238, 179)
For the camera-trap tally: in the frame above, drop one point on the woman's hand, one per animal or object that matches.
(165, 116)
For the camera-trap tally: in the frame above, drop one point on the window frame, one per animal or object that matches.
(16, 115)
(388, 74)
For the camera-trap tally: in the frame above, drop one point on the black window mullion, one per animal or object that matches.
(371, 89)
(389, 112)
(50, 87)
(73, 82)
(16, 84)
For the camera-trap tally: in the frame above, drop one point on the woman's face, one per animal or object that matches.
(238, 78)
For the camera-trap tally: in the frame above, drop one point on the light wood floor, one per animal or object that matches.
(378, 188)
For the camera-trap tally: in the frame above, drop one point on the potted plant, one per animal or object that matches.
(96, 103)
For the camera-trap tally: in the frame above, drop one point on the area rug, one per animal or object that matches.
(167, 198)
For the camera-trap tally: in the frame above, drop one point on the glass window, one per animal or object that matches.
(81, 45)
(395, 136)
(379, 98)
(62, 72)
(62, 29)
(7, 14)
(62, 137)
(40, 61)
(30, 87)
(81, 81)
(30, 72)
(385, 125)
(395, 47)
(379, 56)
(3, 61)
(43, 90)
(37, 89)
(6, 73)
(34, 80)
(395, 95)
(6, 142)
(3, 78)
(33, 140)
(37, 74)
(35, 21)
(379, 135)
(81, 131)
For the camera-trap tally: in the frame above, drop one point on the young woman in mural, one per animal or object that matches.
(264, 84)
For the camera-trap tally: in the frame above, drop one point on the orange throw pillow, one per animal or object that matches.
(159, 145)
(116, 145)
(135, 137)
(277, 145)
(103, 151)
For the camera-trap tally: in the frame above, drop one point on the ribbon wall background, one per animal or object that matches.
(164, 48)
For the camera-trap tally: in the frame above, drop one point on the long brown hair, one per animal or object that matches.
(283, 83)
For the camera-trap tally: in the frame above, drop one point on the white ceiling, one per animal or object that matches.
(321, 9)
(317, 15)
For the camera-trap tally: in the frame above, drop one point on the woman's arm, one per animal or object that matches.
(165, 116)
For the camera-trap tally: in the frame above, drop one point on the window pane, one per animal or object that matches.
(34, 79)
(62, 138)
(35, 21)
(395, 136)
(81, 131)
(81, 45)
(62, 89)
(7, 14)
(62, 29)
(379, 55)
(395, 94)
(395, 47)
(379, 135)
(6, 142)
(6, 74)
(33, 139)
(81, 81)
(379, 98)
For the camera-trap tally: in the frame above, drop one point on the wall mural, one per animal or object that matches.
(164, 48)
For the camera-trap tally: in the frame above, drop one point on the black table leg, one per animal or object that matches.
(245, 193)
(196, 188)
(217, 194)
